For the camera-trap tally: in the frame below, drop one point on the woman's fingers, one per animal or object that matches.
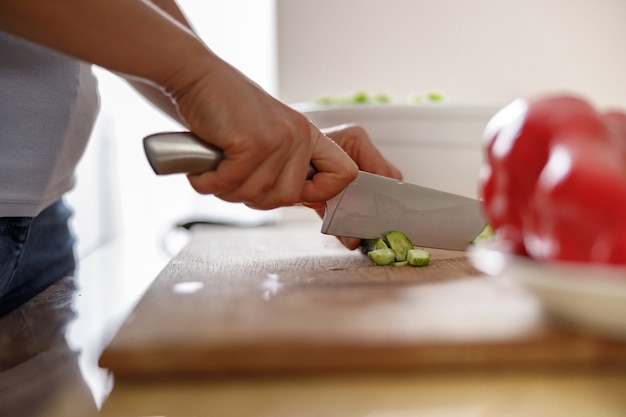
(355, 141)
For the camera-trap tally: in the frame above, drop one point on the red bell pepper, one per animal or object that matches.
(554, 180)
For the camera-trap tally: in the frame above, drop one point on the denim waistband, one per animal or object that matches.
(34, 253)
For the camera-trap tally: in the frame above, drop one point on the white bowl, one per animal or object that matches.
(436, 145)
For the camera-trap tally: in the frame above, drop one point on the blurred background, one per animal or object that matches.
(472, 51)
(469, 49)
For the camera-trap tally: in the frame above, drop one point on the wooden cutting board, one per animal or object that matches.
(286, 298)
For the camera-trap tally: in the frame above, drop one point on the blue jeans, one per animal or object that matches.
(34, 253)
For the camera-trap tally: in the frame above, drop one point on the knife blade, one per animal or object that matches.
(367, 208)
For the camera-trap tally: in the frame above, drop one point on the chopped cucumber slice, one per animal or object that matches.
(361, 97)
(434, 96)
(382, 98)
(382, 256)
(381, 244)
(395, 249)
(368, 245)
(418, 257)
(486, 233)
(400, 243)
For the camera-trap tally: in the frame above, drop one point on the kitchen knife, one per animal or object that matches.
(367, 208)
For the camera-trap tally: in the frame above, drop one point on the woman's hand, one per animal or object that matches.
(267, 145)
(355, 141)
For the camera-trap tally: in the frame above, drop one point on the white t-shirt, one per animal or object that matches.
(48, 106)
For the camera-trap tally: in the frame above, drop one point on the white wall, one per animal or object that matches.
(471, 50)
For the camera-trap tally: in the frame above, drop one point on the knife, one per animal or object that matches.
(367, 208)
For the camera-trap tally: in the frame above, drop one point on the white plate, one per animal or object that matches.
(592, 297)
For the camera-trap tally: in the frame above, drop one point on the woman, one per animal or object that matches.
(48, 104)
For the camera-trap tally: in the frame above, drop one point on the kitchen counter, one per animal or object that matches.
(65, 377)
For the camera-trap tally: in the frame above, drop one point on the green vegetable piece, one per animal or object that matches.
(361, 97)
(381, 244)
(368, 245)
(382, 256)
(325, 101)
(382, 98)
(434, 97)
(400, 244)
(418, 257)
(401, 263)
(486, 233)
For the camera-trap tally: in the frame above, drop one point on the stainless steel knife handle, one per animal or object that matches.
(185, 153)
(180, 152)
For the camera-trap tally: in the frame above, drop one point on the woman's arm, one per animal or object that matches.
(131, 37)
(267, 145)
(155, 95)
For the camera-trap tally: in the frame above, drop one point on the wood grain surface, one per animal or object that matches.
(285, 298)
